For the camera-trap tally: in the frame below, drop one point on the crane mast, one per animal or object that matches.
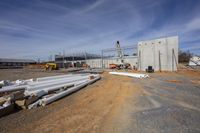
(119, 52)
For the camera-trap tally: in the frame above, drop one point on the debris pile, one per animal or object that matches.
(30, 94)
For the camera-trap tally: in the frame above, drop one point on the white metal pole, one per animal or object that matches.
(55, 97)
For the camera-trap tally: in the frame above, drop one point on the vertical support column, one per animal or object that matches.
(139, 61)
(159, 61)
(102, 59)
(172, 61)
(154, 57)
(85, 56)
(73, 60)
(174, 58)
(63, 59)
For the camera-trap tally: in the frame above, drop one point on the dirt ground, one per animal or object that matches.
(15, 74)
(166, 102)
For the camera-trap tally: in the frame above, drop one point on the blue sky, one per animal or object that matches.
(39, 28)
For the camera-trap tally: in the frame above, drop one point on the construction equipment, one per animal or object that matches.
(126, 66)
(85, 65)
(113, 66)
(120, 66)
(120, 54)
(51, 66)
(119, 51)
(150, 69)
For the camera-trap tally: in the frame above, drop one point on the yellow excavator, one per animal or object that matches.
(51, 66)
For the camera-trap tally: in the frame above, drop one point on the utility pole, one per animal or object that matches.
(172, 61)
(38, 60)
(73, 59)
(102, 59)
(85, 56)
(63, 59)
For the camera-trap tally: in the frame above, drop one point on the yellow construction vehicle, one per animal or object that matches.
(51, 66)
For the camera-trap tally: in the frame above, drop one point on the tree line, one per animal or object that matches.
(184, 56)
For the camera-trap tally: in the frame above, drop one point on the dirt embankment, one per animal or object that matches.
(95, 108)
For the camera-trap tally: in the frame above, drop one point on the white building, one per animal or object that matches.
(194, 61)
(161, 54)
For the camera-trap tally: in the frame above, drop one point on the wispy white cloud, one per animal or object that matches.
(194, 24)
(45, 27)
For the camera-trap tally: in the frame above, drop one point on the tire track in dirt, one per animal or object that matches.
(118, 119)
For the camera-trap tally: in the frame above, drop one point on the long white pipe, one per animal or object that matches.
(56, 80)
(36, 84)
(34, 105)
(53, 83)
(55, 97)
(135, 75)
(58, 77)
(12, 88)
(48, 89)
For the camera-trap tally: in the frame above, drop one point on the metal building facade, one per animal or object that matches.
(15, 63)
(97, 63)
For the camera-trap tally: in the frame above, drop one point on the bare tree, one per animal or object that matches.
(184, 56)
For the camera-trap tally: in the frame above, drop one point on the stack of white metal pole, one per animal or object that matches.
(44, 82)
(58, 86)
